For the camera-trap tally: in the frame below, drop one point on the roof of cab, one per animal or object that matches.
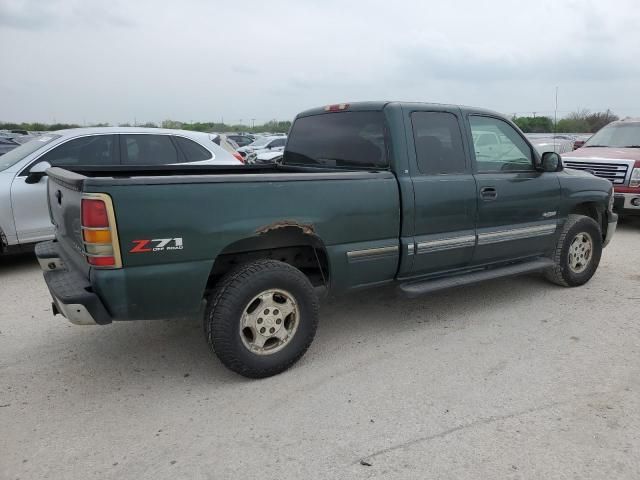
(380, 105)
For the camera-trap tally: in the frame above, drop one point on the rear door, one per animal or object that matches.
(517, 205)
(444, 191)
(148, 149)
(29, 201)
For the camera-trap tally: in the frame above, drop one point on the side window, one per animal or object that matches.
(279, 142)
(193, 152)
(90, 150)
(498, 146)
(438, 143)
(143, 149)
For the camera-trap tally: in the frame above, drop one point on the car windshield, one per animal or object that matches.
(617, 135)
(261, 142)
(14, 156)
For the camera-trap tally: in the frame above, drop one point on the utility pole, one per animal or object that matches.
(253, 122)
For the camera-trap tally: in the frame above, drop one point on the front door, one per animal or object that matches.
(29, 201)
(517, 205)
(444, 192)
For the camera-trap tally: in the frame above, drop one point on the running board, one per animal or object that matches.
(415, 289)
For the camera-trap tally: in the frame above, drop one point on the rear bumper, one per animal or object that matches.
(72, 294)
(627, 203)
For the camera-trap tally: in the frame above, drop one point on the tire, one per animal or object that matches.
(232, 305)
(576, 229)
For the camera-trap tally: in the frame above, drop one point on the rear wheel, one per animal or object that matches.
(261, 318)
(578, 251)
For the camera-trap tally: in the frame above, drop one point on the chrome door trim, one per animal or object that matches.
(372, 252)
(446, 244)
(516, 234)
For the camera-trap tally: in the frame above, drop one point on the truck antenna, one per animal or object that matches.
(555, 121)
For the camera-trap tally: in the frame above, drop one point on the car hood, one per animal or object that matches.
(604, 153)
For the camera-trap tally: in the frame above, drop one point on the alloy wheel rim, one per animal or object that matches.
(580, 252)
(269, 321)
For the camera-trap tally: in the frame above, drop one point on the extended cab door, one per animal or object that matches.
(444, 191)
(517, 205)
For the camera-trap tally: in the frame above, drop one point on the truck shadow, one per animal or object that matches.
(11, 264)
(129, 354)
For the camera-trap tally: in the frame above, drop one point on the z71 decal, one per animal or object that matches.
(157, 245)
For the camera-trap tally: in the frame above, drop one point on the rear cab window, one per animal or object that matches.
(338, 140)
(438, 143)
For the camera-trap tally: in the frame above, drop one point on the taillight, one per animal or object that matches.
(238, 157)
(99, 234)
(338, 107)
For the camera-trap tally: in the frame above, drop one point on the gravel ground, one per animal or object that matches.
(509, 379)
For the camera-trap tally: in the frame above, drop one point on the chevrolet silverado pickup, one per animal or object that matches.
(367, 194)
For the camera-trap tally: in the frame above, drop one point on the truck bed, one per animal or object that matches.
(353, 216)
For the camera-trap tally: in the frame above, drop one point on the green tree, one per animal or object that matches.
(534, 124)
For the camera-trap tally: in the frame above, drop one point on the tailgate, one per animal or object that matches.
(64, 197)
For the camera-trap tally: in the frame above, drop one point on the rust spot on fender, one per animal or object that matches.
(307, 229)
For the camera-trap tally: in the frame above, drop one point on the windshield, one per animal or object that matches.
(261, 142)
(14, 156)
(616, 135)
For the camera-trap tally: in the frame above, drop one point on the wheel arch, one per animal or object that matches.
(593, 210)
(296, 245)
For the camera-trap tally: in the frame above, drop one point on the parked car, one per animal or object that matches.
(271, 143)
(580, 140)
(614, 153)
(228, 144)
(558, 143)
(24, 217)
(241, 140)
(7, 144)
(268, 156)
(367, 194)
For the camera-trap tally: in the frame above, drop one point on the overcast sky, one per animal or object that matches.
(116, 61)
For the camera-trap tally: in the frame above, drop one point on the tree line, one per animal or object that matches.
(273, 126)
(580, 121)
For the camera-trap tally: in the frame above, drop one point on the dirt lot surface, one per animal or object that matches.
(512, 379)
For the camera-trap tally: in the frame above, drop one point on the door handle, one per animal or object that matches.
(488, 193)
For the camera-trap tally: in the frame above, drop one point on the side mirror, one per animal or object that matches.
(36, 172)
(551, 162)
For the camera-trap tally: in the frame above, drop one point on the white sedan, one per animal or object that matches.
(24, 215)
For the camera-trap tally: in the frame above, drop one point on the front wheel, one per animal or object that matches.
(578, 251)
(261, 318)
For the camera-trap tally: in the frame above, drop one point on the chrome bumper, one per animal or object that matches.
(626, 199)
(71, 293)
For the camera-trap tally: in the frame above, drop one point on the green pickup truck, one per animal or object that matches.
(366, 194)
